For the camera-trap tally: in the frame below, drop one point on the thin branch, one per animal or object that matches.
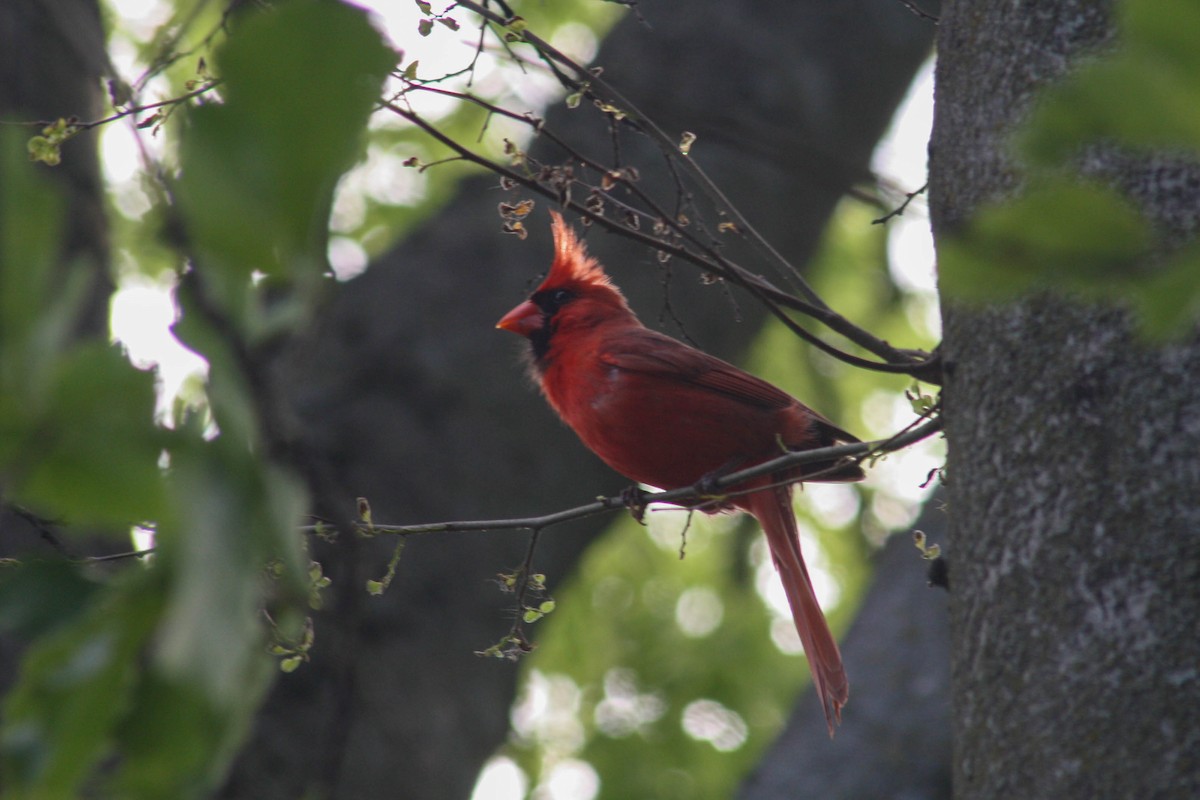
(688, 496)
(118, 556)
(920, 12)
(672, 237)
(908, 362)
(899, 210)
(590, 83)
(133, 110)
(693, 498)
(44, 527)
(75, 126)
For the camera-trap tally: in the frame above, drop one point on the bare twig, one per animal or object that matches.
(44, 527)
(119, 556)
(133, 110)
(689, 496)
(908, 362)
(900, 209)
(920, 12)
(673, 237)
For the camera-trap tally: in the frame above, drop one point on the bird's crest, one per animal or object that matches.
(571, 260)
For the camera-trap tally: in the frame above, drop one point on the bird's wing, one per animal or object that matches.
(657, 355)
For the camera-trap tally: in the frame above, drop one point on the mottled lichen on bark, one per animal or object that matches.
(1074, 482)
(1074, 486)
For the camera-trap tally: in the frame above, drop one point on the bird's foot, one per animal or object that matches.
(708, 487)
(634, 499)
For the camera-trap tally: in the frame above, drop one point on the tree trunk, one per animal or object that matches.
(1073, 470)
(421, 407)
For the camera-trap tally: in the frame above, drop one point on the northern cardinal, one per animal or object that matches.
(665, 414)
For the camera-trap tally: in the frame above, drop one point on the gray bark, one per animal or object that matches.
(420, 406)
(1074, 549)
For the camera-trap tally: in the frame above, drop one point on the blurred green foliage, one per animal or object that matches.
(145, 685)
(1086, 238)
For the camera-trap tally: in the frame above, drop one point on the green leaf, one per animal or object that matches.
(38, 597)
(175, 742)
(91, 454)
(37, 309)
(1146, 95)
(1143, 96)
(1078, 239)
(209, 665)
(259, 170)
(233, 516)
(47, 148)
(1058, 235)
(1168, 301)
(43, 150)
(73, 687)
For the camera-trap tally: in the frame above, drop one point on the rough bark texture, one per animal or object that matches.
(420, 406)
(1074, 477)
(895, 739)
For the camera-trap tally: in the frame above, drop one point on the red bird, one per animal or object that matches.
(665, 414)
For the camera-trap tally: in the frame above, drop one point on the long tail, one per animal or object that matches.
(773, 509)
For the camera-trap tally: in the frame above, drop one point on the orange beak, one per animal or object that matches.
(524, 319)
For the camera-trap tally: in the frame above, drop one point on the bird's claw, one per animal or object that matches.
(634, 499)
(708, 487)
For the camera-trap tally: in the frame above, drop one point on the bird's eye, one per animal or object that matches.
(551, 300)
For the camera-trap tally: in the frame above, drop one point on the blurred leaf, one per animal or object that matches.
(176, 742)
(1168, 301)
(77, 438)
(1057, 235)
(1083, 239)
(209, 665)
(1146, 95)
(44, 150)
(1074, 238)
(259, 169)
(166, 666)
(38, 303)
(229, 398)
(37, 597)
(234, 515)
(73, 686)
(92, 454)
